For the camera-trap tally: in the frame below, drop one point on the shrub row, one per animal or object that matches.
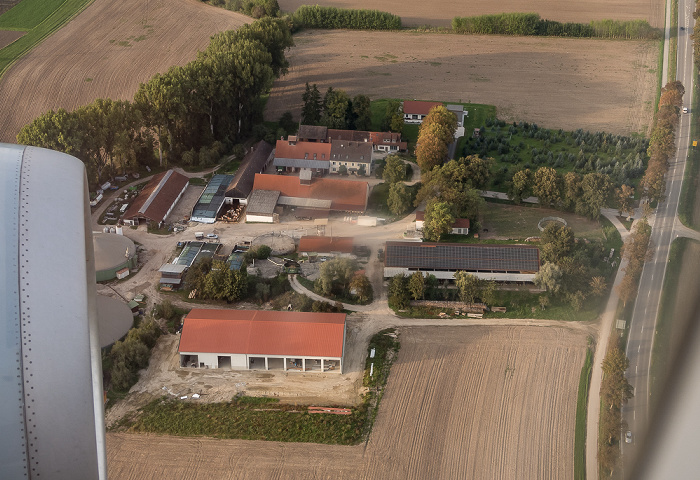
(315, 16)
(532, 25)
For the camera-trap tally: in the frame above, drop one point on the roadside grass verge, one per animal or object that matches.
(52, 22)
(686, 206)
(661, 351)
(581, 411)
(259, 418)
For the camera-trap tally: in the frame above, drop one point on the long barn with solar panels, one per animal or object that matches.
(501, 263)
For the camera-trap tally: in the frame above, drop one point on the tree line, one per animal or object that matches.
(252, 8)
(615, 390)
(316, 16)
(404, 288)
(530, 24)
(203, 107)
(662, 143)
(636, 250)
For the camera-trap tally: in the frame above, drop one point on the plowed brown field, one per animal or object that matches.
(597, 85)
(9, 36)
(461, 402)
(106, 51)
(440, 13)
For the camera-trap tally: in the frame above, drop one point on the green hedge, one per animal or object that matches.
(531, 24)
(315, 16)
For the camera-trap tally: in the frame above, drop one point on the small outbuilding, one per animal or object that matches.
(263, 340)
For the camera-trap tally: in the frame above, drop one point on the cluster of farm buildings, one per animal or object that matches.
(300, 176)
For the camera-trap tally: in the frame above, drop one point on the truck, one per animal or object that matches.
(199, 235)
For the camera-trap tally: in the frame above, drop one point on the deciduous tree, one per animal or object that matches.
(399, 200)
(521, 185)
(438, 220)
(547, 186)
(394, 169)
(549, 277)
(431, 151)
(468, 285)
(416, 285)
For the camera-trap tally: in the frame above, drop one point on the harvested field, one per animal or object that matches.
(5, 5)
(9, 36)
(107, 51)
(439, 13)
(597, 85)
(522, 381)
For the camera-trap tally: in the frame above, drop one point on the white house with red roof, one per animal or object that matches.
(263, 340)
(415, 111)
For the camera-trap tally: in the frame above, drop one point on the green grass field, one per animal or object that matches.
(581, 411)
(520, 221)
(40, 18)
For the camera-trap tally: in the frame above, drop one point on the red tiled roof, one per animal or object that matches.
(417, 107)
(312, 243)
(345, 195)
(261, 332)
(156, 198)
(348, 135)
(303, 150)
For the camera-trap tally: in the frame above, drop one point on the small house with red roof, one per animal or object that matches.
(459, 227)
(311, 245)
(415, 111)
(263, 340)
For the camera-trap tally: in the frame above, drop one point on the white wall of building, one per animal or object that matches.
(258, 218)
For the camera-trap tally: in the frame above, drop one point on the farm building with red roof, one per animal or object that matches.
(157, 199)
(263, 340)
(325, 246)
(320, 194)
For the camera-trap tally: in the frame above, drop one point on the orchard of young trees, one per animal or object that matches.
(203, 107)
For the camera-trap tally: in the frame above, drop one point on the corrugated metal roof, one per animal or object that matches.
(262, 202)
(459, 256)
(258, 332)
(315, 132)
(156, 198)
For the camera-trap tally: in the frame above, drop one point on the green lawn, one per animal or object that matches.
(377, 203)
(40, 18)
(520, 221)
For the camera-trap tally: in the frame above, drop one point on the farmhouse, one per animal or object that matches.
(501, 263)
(312, 245)
(263, 340)
(314, 198)
(157, 199)
(415, 111)
(356, 157)
(256, 161)
(212, 199)
(459, 227)
(295, 156)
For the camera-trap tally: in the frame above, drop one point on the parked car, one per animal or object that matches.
(628, 437)
(212, 235)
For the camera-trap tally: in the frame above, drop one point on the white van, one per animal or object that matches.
(199, 235)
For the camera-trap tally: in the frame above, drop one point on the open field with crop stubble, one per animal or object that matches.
(106, 51)
(597, 85)
(439, 13)
(522, 381)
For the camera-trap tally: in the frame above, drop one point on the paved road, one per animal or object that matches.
(643, 324)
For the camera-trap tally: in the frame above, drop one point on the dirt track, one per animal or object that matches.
(522, 381)
(439, 13)
(107, 51)
(597, 85)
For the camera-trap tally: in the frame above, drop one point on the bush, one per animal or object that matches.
(315, 16)
(262, 252)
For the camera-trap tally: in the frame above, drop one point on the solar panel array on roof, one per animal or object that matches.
(450, 256)
(211, 199)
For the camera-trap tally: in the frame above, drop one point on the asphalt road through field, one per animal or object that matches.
(641, 334)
